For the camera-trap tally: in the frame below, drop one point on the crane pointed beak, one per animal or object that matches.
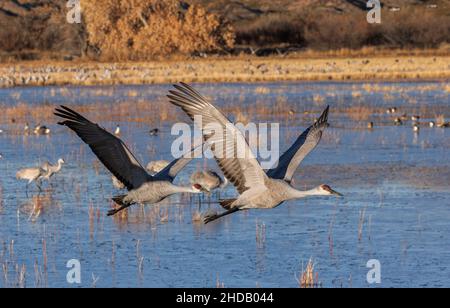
(333, 192)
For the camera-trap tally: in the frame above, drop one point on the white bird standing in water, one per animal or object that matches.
(117, 131)
(26, 129)
(257, 189)
(31, 175)
(52, 169)
(118, 159)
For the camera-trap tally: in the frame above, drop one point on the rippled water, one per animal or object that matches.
(396, 207)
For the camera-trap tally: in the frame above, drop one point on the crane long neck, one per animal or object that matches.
(296, 194)
(185, 189)
(224, 183)
(58, 166)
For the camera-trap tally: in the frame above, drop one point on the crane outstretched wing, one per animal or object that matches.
(229, 146)
(109, 149)
(171, 170)
(308, 140)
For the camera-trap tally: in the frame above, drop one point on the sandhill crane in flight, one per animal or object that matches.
(118, 159)
(257, 189)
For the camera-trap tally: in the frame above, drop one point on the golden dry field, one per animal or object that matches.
(239, 69)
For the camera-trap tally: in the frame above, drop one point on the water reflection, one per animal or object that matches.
(38, 205)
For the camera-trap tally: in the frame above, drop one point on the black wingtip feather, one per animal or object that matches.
(69, 114)
(323, 119)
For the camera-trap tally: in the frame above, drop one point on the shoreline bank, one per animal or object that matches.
(375, 68)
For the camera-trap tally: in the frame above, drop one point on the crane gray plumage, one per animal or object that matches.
(118, 159)
(31, 175)
(194, 104)
(116, 183)
(291, 159)
(256, 188)
(50, 169)
(157, 166)
(208, 180)
(109, 149)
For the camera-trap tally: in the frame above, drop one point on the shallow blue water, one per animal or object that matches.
(397, 181)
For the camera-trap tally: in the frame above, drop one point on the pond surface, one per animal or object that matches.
(396, 205)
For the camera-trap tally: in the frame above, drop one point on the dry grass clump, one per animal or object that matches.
(22, 112)
(141, 111)
(440, 120)
(240, 117)
(143, 29)
(309, 277)
(359, 113)
(317, 98)
(262, 90)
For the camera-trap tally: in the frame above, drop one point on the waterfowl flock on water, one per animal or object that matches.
(399, 120)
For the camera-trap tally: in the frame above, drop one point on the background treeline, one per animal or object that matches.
(120, 30)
